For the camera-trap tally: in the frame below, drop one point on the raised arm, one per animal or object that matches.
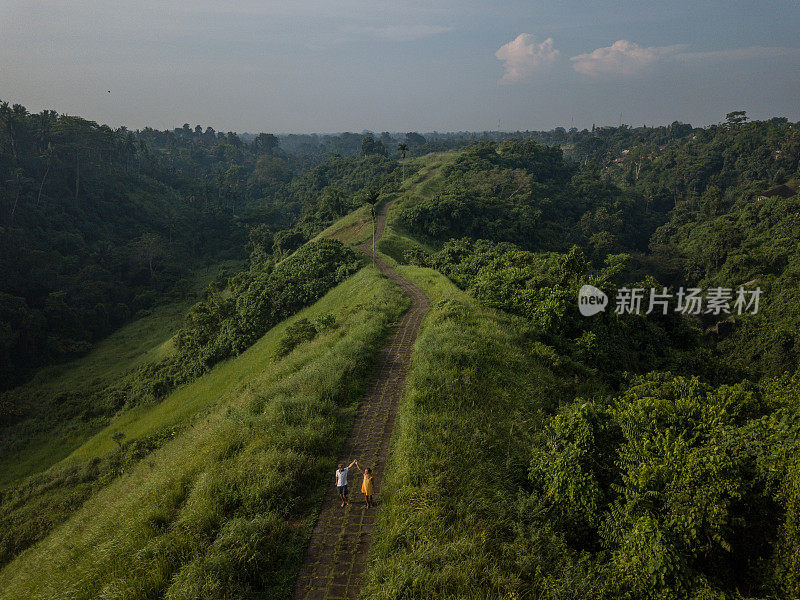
(355, 462)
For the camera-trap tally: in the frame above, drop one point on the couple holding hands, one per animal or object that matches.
(366, 484)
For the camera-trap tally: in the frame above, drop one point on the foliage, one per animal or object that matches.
(669, 489)
(303, 330)
(370, 146)
(230, 321)
(753, 243)
(99, 224)
(329, 191)
(544, 288)
(528, 194)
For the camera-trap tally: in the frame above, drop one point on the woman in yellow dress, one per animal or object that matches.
(366, 486)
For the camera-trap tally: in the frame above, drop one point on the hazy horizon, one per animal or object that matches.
(435, 66)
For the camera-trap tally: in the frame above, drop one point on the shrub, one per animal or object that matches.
(298, 332)
(674, 489)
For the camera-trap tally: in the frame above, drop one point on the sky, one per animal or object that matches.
(348, 65)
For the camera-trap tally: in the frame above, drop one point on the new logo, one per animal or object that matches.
(591, 300)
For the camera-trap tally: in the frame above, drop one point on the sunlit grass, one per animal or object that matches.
(356, 227)
(423, 184)
(424, 181)
(352, 229)
(224, 509)
(34, 445)
(226, 381)
(476, 390)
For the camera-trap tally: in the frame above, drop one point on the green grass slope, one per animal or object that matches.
(475, 393)
(50, 402)
(424, 183)
(223, 508)
(352, 229)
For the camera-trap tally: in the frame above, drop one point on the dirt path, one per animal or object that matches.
(340, 542)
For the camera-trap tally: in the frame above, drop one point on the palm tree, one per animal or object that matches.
(49, 155)
(402, 146)
(371, 198)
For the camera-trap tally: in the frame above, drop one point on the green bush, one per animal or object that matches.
(543, 287)
(417, 257)
(303, 330)
(673, 489)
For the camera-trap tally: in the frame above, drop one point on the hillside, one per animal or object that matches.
(199, 503)
(99, 225)
(53, 407)
(535, 452)
(129, 468)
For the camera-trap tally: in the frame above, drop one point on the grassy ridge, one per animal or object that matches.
(224, 509)
(424, 183)
(352, 229)
(356, 228)
(476, 391)
(43, 439)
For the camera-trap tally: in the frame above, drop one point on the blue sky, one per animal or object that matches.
(400, 66)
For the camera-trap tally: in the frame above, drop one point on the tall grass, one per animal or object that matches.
(224, 509)
(476, 393)
(56, 402)
(356, 227)
(352, 229)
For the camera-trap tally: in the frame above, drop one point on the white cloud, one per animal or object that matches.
(522, 57)
(621, 58)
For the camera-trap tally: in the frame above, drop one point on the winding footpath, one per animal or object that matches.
(339, 547)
